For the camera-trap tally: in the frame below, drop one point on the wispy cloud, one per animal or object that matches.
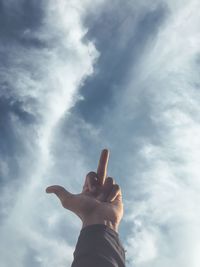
(78, 77)
(149, 119)
(44, 63)
(161, 103)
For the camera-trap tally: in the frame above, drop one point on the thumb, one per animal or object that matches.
(66, 198)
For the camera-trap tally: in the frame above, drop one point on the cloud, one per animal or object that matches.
(165, 163)
(123, 76)
(44, 62)
(149, 120)
(120, 35)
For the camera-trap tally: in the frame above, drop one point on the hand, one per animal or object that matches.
(100, 201)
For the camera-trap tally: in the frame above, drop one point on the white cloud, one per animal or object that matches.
(152, 130)
(166, 79)
(47, 81)
(157, 164)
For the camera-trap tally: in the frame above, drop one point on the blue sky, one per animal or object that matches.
(79, 76)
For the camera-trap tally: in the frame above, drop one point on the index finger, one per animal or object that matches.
(102, 166)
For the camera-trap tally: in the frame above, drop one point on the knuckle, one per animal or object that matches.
(110, 180)
(91, 174)
(117, 187)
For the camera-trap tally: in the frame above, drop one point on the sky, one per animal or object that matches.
(77, 76)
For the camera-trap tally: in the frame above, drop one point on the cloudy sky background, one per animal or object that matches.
(78, 76)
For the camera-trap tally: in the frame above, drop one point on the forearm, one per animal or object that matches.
(98, 245)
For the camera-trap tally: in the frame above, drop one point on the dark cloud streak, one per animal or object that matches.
(19, 19)
(115, 60)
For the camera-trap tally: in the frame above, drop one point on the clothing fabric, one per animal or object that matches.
(98, 246)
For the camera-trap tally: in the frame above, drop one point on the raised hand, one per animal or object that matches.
(100, 201)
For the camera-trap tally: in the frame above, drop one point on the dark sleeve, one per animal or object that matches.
(98, 246)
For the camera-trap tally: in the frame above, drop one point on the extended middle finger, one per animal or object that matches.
(102, 166)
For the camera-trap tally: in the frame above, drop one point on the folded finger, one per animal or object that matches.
(114, 193)
(106, 189)
(90, 181)
(108, 185)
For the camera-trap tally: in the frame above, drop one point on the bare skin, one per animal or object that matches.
(100, 201)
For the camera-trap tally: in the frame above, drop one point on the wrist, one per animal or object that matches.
(108, 223)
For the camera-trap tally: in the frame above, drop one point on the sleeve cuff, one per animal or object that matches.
(100, 228)
(102, 241)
